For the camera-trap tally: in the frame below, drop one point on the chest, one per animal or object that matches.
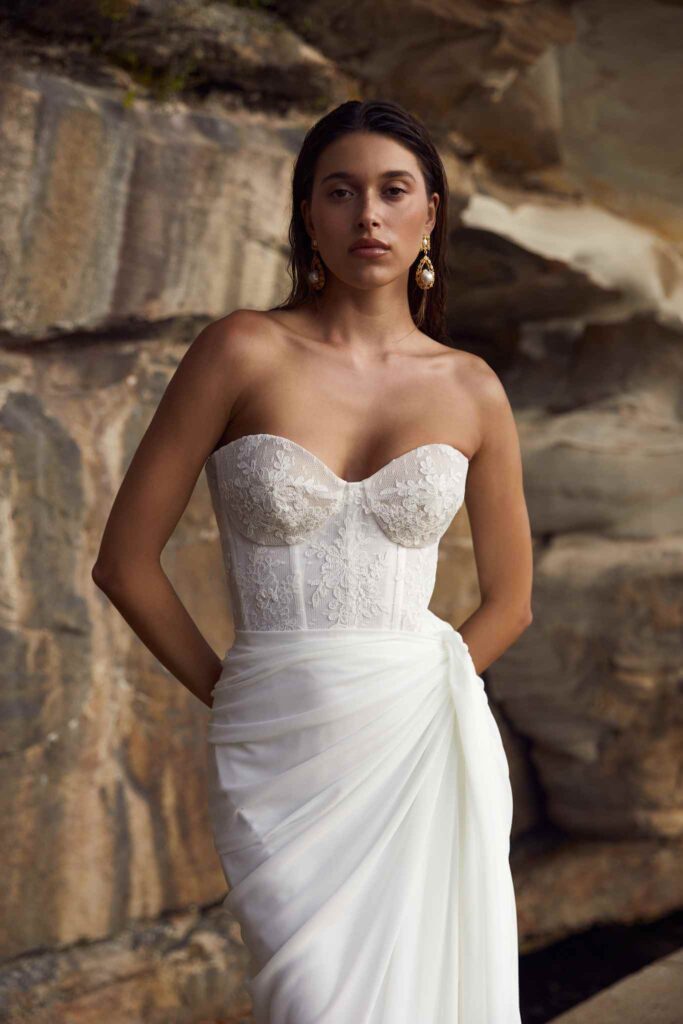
(274, 491)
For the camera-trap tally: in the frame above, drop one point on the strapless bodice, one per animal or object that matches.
(304, 549)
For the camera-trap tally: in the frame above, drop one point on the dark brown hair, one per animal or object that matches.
(385, 118)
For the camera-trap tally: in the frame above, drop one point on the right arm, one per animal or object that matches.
(187, 425)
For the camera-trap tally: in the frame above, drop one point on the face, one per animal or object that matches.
(369, 185)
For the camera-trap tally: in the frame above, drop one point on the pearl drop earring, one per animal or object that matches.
(316, 275)
(424, 273)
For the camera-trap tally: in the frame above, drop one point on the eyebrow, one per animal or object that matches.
(387, 174)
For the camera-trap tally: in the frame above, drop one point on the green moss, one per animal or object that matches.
(162, 82)
(114, 10)
(129, 97)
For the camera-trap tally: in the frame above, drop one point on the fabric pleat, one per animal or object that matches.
(360, 801)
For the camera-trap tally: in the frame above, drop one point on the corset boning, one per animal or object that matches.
(304, 549)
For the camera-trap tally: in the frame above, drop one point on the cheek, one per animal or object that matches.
(334, 225)
(406, 221)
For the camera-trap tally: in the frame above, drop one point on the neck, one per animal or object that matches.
(365, 321)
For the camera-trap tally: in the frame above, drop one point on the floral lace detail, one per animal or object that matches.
(305, 549)
(270, 502)
(415, 510)
(418, 581)
(268, 596)
(350, 575)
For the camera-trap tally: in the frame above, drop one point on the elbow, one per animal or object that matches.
(106, 577)
(117, 576)
(525, 619)
(101, 576)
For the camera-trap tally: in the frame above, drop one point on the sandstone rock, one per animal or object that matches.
(103, 749)
(595, 684)
(567, 886)
(144, 188)
(652, 993)
(116, 216)
(190, 46)
(187, 967)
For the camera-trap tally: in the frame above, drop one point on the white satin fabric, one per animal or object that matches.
(360, 799)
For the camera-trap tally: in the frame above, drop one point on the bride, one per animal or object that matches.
(358, 788)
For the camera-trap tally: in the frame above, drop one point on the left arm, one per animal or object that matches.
(499, 524)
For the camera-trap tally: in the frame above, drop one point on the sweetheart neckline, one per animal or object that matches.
(340, 479)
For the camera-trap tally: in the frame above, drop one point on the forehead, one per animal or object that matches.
(366, 155)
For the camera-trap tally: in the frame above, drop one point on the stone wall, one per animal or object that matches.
(145, 161)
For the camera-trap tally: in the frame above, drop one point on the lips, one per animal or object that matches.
(369, 243)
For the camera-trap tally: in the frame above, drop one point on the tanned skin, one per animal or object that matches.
(354, 382)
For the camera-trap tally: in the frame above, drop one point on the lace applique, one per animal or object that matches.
(418, 586)
(271, 496)
(349, 578)
(305, 549)
(415, 509)
(267, 590)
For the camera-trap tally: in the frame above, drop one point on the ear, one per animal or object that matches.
(432, 208)
(306, 215)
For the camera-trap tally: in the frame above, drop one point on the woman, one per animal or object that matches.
(359, 791)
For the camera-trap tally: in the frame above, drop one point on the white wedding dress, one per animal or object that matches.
(359, 792)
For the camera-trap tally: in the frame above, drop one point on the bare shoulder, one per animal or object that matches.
(481, 391)
(481, 379)
(228, 356)
(241, 339)
(472, 373)
(498, 435)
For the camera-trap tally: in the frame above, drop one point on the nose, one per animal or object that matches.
(368, 215)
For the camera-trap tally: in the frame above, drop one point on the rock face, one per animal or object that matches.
(115, 216)
(652, 992)
(595, 684)
(145, 161)
(185, 967)
(108, 824)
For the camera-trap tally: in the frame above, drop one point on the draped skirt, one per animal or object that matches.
(360, 801)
